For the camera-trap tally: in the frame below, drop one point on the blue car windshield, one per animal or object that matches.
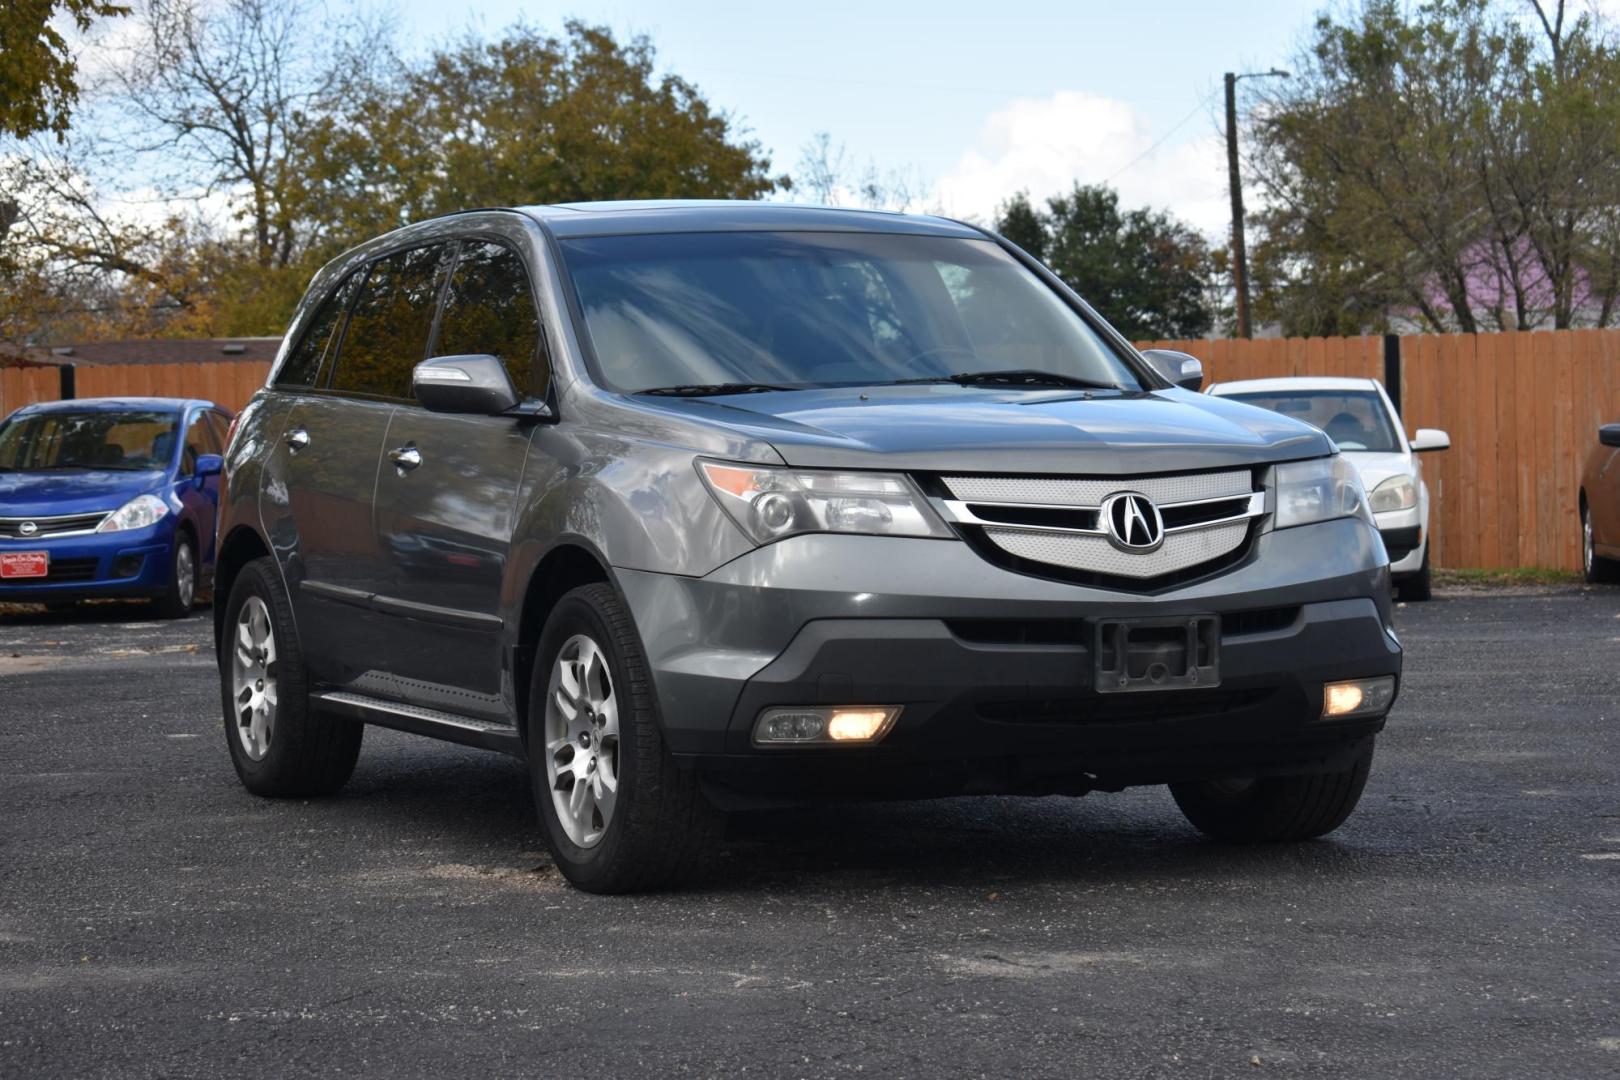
(128, 441)
(804, 309)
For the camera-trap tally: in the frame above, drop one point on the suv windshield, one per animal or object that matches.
(715, 311)
(1355, 419)
(133, 441)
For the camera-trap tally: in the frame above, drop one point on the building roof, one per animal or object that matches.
(162, 351)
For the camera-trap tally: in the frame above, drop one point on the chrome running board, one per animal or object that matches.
(451, 727)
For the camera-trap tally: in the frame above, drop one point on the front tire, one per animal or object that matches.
(279, 745)
(1272, 809)
(1420, 586)
(1595, 568)
(618, 816)
(181, 596)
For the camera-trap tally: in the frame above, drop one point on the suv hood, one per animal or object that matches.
(954, 428)
(70, 491)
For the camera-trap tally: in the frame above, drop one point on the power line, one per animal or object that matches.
(1162, 139)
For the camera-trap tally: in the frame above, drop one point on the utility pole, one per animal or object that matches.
(1240, 253)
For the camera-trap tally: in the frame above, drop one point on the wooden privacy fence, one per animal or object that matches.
(1522, 410)
(228, 383)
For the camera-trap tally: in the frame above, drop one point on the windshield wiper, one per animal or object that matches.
(1015, 377)
(714, 389)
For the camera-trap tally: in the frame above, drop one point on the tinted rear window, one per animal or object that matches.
(304, 364)
(388, 329)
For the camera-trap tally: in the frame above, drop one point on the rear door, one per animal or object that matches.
(445, 524)
(329, 451)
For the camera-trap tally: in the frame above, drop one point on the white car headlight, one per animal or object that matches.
(1396, 493)
(1319, 490)
(138, 513)
(772, 503)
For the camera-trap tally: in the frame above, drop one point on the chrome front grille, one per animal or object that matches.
(17, 528)
(1058, 521)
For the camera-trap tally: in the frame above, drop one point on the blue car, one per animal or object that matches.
(110, 497)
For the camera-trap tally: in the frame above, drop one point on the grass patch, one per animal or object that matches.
(1517, 575)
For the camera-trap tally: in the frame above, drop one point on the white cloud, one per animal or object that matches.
(1045, 146)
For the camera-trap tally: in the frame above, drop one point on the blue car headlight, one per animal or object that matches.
(139, 513)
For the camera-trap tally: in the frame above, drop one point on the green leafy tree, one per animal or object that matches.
(1453, 160)
(532, 118)
(1147, 272)
(39, 78)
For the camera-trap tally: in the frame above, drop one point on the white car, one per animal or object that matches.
(1358, 415)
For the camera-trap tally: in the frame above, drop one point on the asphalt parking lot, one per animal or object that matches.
(156, 920)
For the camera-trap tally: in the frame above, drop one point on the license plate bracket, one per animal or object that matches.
(1175, 652)
(24, 564)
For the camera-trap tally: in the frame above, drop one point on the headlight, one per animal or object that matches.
(771, 503)
(1396, 493)
(138, 513)
(1318, 490)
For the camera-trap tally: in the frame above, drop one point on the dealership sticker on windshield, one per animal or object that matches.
(24, 564)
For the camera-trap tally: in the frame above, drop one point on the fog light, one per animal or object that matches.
(1358, 697)
(784, 726)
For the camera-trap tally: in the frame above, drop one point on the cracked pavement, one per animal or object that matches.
(157, 920)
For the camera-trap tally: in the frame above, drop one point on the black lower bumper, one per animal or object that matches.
(1401, 542)
(983, 712)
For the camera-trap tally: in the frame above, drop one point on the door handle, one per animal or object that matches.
(405, 458)
(296, 439)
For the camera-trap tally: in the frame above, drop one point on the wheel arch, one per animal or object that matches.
(239, 548)
(566, 565)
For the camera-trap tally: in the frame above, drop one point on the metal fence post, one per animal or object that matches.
(1392, 369)
(66, 374)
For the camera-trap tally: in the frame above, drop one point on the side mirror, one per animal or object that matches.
(476, 383)
(209, 465)
(1185, 371)
(1609, 434)
(1429, 438)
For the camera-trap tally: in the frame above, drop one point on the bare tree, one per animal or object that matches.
(228, 95)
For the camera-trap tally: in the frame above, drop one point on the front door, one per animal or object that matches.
(446, 499)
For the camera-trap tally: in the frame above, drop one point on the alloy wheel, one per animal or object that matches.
(582, 740)
(185, 574)
(253, 677)
(1587, 554)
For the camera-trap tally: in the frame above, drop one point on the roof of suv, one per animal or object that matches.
(676, 215)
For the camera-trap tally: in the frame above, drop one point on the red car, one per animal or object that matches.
(1600, 508)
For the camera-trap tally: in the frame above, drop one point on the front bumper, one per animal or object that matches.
(1403, 534)
(993, 668)
(135, 563)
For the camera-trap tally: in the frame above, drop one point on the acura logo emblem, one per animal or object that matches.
(1132, 522)
(27, 528)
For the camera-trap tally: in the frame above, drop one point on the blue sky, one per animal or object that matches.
(975, 99)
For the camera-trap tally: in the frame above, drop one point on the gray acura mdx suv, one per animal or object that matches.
(704, 507)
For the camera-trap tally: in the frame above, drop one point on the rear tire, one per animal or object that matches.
(1594, 567)
(1273, 809)
(1420, 586)
(279, 745)
(181, 596)
(593, 717)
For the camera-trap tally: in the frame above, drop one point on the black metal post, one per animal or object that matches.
(67, 382)
(1392, 368)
